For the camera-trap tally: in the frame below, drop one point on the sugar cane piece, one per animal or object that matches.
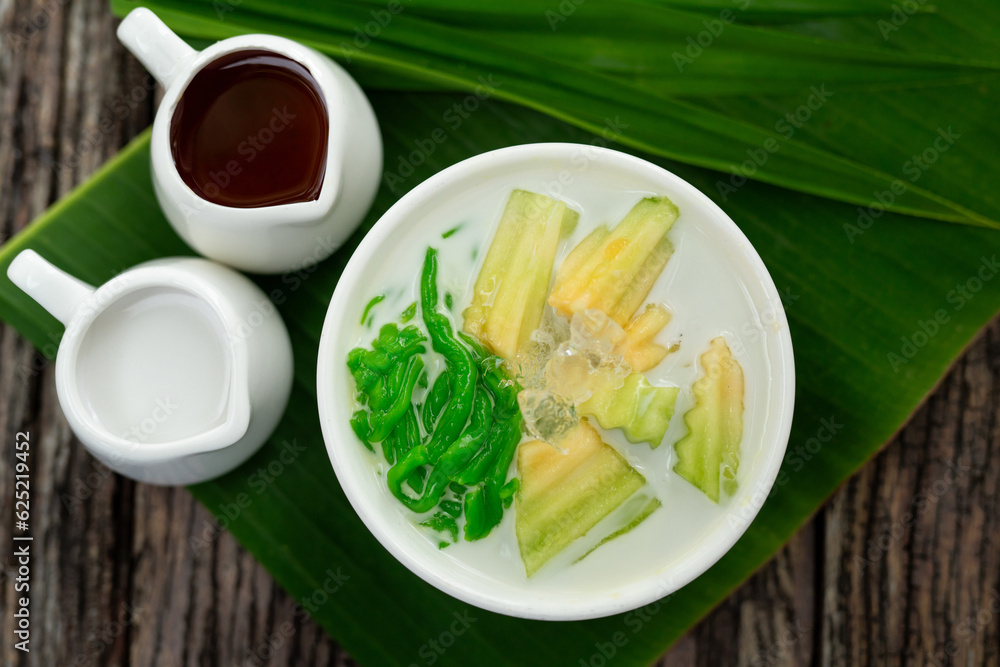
(564, 494)
(616, 274)
(509, 294)
(709, 455)
(639, 409)
(639, 350)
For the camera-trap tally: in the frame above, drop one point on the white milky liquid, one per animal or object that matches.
(706, 298)
(154, 367)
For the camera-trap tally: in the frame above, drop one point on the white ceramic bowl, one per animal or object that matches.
(572, 172)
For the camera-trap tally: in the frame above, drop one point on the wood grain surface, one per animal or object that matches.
(902, 566)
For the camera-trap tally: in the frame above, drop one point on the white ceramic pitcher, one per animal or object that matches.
(173, 372)
(268, 239)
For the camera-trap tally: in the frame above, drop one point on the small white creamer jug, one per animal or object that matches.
(173, 372)
(266, 238)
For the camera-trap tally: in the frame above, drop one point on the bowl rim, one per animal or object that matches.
(645, 590)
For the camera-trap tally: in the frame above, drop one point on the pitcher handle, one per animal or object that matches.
(55, 290)
(149, 39)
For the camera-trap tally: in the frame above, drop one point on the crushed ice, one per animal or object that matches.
(562, 369)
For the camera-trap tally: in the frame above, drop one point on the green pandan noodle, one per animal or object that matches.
(457, 455)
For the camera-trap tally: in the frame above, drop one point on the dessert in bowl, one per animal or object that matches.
(556, 381)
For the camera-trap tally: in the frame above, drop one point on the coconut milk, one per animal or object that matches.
(155, 366)
(707, 298)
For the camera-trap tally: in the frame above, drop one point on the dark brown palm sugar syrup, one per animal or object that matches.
(251, 130)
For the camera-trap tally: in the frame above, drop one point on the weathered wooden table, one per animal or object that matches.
(901, 567)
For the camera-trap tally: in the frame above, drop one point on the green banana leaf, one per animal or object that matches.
(617, 63)
(876, 319)
(764, 11)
